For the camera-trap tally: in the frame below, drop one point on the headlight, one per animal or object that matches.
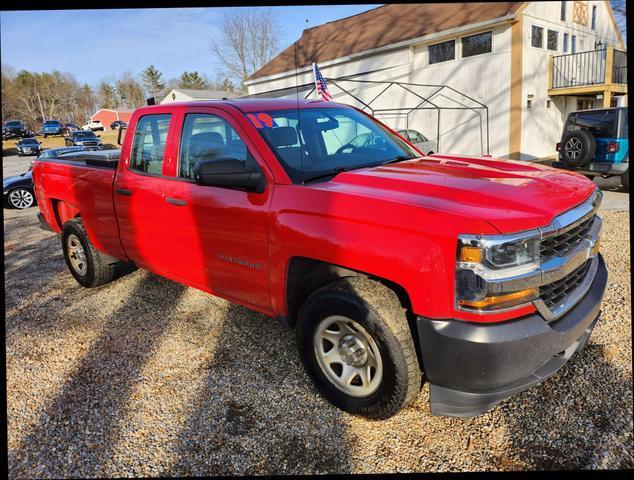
(483, 259)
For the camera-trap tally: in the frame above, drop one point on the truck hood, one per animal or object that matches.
(510, 195)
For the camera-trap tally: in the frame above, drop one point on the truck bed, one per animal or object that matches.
(80, 181)
(94, 158)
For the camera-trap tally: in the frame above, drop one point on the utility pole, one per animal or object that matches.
(40, 102)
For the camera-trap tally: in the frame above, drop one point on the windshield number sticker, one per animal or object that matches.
(261, 120)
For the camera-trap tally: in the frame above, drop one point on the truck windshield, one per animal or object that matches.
(84, 135)
(322, 142)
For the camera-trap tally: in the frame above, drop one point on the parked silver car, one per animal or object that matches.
(419, 140)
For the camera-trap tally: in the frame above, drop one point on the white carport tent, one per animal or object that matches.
(372, 95)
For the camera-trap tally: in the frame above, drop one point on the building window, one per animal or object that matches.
(565, 49)
(548, 103)
(476, 44)
(442, 52)
(552, 40)
(573, 44)
(537, 37)
(594, 18)
(563, 11)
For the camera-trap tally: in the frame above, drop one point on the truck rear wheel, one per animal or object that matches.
(355, 343)
(84, 261)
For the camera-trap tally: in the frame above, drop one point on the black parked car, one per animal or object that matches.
(29, 146)
(85, 139)
(17, 191)
(118, 124)
(15, 129)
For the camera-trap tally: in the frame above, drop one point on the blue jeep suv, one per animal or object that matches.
(595, 142)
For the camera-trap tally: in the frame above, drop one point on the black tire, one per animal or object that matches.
(378, 310)
(98, 272)
(21, 198)
(578, 148)
(625, 180)
(45, 135)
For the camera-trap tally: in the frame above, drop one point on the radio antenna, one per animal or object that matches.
(299, 125)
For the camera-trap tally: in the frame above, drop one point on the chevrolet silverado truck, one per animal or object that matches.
(481, 277)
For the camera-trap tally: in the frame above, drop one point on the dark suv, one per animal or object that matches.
(15, 129)
(595, 142)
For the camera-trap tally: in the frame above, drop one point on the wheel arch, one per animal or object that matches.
(305, 275)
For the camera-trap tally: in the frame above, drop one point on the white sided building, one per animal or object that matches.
(529, 63)
(190, 95)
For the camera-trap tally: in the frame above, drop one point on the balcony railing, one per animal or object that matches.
(619, 72)
(589, 68)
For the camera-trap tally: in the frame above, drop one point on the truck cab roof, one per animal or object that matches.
(248, 105)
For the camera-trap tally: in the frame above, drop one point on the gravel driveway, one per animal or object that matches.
(146, 377)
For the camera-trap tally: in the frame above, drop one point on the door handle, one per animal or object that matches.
(176, 201)
(124, 191)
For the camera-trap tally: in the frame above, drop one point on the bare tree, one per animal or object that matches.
(130, 91)
(33, 97)
(249, 39)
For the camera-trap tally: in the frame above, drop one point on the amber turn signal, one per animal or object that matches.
(471, 254)
(501, 301)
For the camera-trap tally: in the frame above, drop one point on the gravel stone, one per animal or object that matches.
(146, 377)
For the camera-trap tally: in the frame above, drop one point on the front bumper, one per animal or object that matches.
(472, 367)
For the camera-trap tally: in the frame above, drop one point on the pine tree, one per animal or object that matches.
(152, 80)
(107, 95)
(226, 85)
(192, 80)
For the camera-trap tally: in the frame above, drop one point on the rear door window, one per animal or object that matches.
(148, 144)
(207, 137)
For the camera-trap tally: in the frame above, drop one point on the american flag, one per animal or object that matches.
(320, 84)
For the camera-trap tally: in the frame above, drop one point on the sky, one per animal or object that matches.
(96, 44)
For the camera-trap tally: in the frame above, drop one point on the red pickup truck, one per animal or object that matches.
(480, 276)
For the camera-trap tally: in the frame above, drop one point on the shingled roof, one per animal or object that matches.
(379, 27)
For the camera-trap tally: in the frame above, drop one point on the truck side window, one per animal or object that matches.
(148, 144)
(208, 137)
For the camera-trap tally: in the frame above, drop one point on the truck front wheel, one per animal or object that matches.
(356, 345)
(83, 260)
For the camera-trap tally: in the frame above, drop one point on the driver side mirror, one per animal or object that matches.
(229, 173)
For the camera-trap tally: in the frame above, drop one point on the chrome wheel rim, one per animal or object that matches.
(573, 148)
(21, 198)
(348, 356)
(76, 254)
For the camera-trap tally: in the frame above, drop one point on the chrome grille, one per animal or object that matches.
(559, 245)
(555, 293)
